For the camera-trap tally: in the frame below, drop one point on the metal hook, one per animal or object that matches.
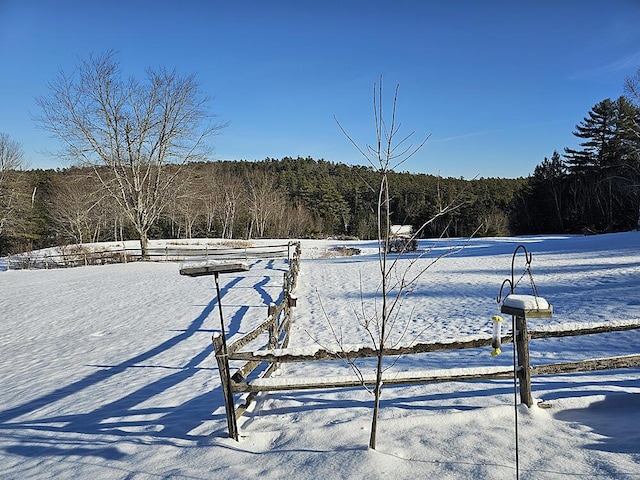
(527, 259)
(506, 280)
(528, 256)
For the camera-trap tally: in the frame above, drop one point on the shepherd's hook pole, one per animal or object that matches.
(228, 392)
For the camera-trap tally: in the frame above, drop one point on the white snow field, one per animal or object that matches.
(107, 372)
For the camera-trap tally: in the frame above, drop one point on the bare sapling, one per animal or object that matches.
(382, 322)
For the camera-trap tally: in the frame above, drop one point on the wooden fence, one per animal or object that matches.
(277, 327)
(78, 255)
(290, 355)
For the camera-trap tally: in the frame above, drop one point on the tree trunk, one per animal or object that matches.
(374, 421)
(144, 245)
(384, 221)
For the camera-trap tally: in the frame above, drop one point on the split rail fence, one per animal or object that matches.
(82, 256)
(279, 321)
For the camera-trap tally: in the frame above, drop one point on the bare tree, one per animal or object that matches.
(632, 88)
(388, 153)
(188, 206)
(77, 207)
(11, 161)
(130, 132)
(265, 202)
(289, 219)
(230, 192)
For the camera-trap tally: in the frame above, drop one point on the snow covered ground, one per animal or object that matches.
(108, 371)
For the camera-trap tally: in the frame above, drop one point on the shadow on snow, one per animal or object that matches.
(175, 422)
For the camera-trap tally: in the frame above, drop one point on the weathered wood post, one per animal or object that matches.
(285, 284)
(273, 326)
(524, 366)
(222, 358)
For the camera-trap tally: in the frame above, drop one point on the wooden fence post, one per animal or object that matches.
(524, 371)
(225, 379)
(285, 286)
(273, 326)
(286, 323)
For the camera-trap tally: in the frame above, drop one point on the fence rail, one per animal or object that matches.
(78, 255)
(403, 378)
(277, 354)
(290, 355)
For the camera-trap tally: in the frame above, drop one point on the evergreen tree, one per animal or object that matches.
(628, 137)
(599, 131)
(600, 170)
(547, 194)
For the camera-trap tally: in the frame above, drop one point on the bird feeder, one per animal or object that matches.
(523, 306)
(496, 338)
(520, 307)
(212, 267)
(215, 268)
(526, 306)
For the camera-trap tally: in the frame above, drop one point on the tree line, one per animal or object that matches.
(307, 198)
(285, 198)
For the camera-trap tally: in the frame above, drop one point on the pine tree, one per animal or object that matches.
(596, 168)
(599, 131)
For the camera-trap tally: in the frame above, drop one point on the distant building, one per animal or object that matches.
(401, 231)
(401, 239)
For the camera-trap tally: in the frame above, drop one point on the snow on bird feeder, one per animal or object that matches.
(215, 268)
(519, 307)
(211, 267)
(526, 306)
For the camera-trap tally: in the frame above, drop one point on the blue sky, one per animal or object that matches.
(498, 85)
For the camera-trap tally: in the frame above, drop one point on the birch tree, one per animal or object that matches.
(265, 202)
(11, 161)
(77, 209)
(131, 132)
(230, 193)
